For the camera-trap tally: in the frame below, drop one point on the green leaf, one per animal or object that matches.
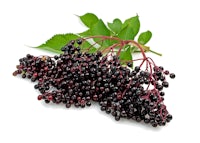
(126, 33)
(126, 55)
(133, 49)
(50, 49)
(134, 23)
(89, 19)
(85, 45)
(92, 50)
(55, 43)
(115, 26)
(100, 29)
(144, 37)
(85, 33)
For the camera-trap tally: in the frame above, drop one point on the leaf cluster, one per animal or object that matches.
(127, 30)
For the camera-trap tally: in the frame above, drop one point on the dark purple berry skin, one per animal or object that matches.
(79, 41)
(79, 79)
(129, 64)
(137, 69)
(165, 84)
(166, 72)
(23, 76)
(172, 75)
(162, 93)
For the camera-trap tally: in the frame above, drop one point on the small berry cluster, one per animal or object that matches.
(78, 78)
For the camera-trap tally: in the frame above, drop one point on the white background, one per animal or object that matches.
(175, 27)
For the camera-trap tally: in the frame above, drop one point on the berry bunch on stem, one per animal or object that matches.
(80, 78)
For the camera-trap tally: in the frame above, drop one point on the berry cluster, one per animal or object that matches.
(78, 78)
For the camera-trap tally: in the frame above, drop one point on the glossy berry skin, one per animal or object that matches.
(40, 97)
(80, 79)
(129, 64)
(165, 84)
(172, 75)
(79, 41)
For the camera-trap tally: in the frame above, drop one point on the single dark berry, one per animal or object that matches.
(55, 57)
(165, 84)
(154, 124)
(50, 97)
(108, 111)
(79, 41)
(39, 97)
(159, 87)
(47, 101)
(172, 75)
(68, 105)
(103, 108)
(161, 68)
(15, 73)
(162, 93)
(169, 117)
(137, 68)
(117, 118)
(36, 86)
(146, 120)
(88, 103)
(138, 119)
(166, 72)
(23, 75)
(129, 64)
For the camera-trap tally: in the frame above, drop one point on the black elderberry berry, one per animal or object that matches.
(117, 118)
(137, 68)
(47, 101)
(158, 74)
(162, 78)
(79, 41)
(172, 75)
(159, 87)
(77, 78)
(154, 124)
(33, 79)
(129, 64)
(108, 111)
(166, 72)
(162, 93)
(103, 108)
(88, 103)
(169, 118)
(165, 84)
(68, 105)
(78, 49)
(138, 119)
(161, 68)
(23, 75)
(56, 57)
(36, 86)
(146, 120)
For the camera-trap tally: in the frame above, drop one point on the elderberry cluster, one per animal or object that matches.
(81, 78)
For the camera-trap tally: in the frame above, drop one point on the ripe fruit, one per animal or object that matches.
(77, 78)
